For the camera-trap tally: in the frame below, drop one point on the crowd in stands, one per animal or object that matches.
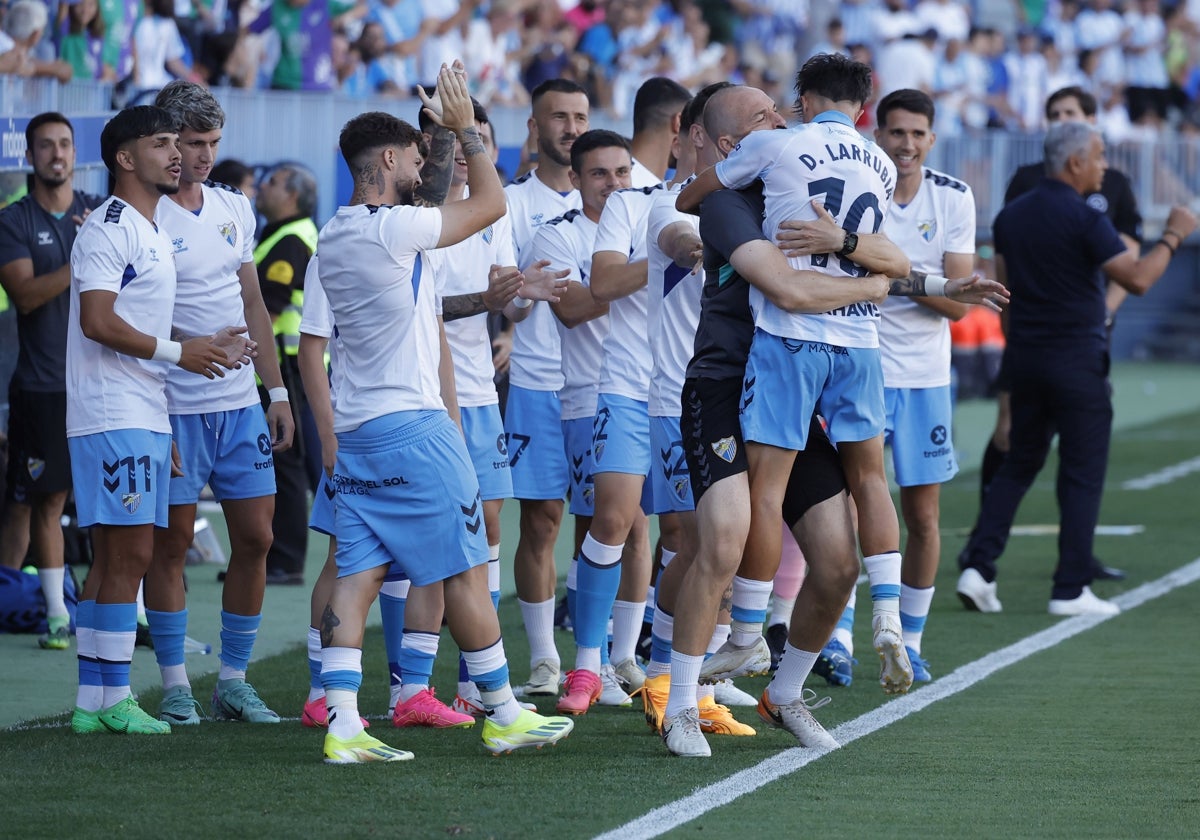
(1141, 58)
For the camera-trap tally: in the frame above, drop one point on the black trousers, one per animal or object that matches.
(1061, 390)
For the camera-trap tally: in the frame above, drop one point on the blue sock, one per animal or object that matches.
(238, 633)
(90, 682)
(463, 674)
(416, 660)
(115, 624)
(168, 630)
(391, 610)
(596, 590)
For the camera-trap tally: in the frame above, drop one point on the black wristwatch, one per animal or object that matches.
(849, 245)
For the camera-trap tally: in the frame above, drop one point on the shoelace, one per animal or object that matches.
(808, 698)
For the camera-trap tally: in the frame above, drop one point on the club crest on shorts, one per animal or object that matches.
(927, 229)
(36, 467)
(681, 488)
(589, 495)
(131, 502)
(725, 449)
(228, 232)
(598, 449)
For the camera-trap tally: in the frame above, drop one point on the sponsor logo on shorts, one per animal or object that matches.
(36, 467)
(941, 440)
(131, 502)
(939, 435)
(264, 444)
(725, 449)
(349, 486)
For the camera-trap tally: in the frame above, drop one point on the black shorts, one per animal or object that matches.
(38, 460)
(712, 441)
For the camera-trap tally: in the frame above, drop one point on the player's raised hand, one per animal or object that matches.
(453, 107)
(979, 290)
(543, 282)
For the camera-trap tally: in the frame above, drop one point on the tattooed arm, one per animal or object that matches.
(438, 169)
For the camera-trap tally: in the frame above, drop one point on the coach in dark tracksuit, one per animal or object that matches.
(1053, 252)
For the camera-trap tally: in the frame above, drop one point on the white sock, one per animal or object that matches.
(52, 590)
(685, 677)
(313, 643)
(914, 610)
(174, 675)
(719, 637)
(794, 668)
(539, 627)
(781, 611)
(627, 624)
(883, 570)
(90, 698)
(587, 659)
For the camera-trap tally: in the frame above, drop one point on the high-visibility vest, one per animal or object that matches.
(287, 325)
(3, 301)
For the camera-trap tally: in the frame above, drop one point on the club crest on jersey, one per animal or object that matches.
(1098, 202)
(488, 233)
(928, 229)
(725, 449)
(228, 232)
(131, 501)
(36, 467)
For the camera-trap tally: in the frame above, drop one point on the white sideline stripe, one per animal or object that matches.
(1163, 476)
(708, 798)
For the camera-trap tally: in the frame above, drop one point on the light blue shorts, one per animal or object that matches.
(621, 435)
(670, 479)
(407, 496)
(320, 518)
(121, 477)
(918, 428)
(230, 451)
(787, 380)
(582, 489)
(488, 448)
(536, 456)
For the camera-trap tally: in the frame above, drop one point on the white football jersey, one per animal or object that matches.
(914, 341)
(119, 250)
(626, 368)
(641, 176)
(463, 269)
(830, 160)
(536, 360)
(317, 319)
(567, 242)
(673, 311)
(384, 310)
(210, 247)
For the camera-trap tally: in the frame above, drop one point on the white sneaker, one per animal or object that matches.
(629, 674)
(976, 593)
(797, 719)
(611, 691)
(895, 669)
(683, 737)
(543, 680)
(732, 661)
(1086, 604)
(728, 694)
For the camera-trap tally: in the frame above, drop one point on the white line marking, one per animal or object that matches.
(708, 798)
(1163, 476)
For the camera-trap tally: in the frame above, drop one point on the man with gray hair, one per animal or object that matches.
(1054, 251)
(223, 436)
(287, 199)
(24, 23)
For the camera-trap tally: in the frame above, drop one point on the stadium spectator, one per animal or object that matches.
(287, 199)
(24, 24)
(1027, 74)
(366, 69)
(1147, 85)
(234, 173)
(908, 63)
(159, 49)
(82, 44)
(36, 236)
(405, 30)
(834, 41)
(1051, 247)
(949, 17)
(493, 50)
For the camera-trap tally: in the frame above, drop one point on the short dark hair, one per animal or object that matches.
(132, 124)
(695, 109)
(374, 130)
(835, 77)
(906, 99)
(657, 101)
(231, 171)
(555, 86)
(42, 119)
(1087, 102)
(597, 138)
